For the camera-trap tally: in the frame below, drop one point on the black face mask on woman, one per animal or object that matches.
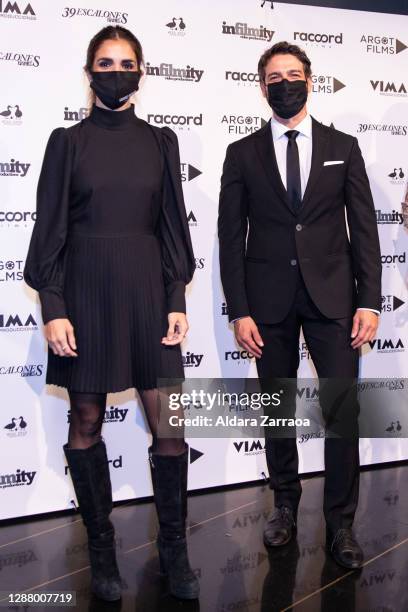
(114, 87)
(287, 98)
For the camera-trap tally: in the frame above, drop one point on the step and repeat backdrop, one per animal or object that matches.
(201, 80)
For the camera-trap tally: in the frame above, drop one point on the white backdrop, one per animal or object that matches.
(360, 65)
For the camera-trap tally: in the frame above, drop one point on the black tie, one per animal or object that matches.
(293, 185)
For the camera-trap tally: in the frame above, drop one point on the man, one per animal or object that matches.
(287, 262)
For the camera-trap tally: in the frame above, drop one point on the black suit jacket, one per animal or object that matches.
(263, 241)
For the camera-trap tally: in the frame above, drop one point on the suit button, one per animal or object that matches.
(293, 262)
(299, 227)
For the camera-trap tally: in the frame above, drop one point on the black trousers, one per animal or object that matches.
(328, 341)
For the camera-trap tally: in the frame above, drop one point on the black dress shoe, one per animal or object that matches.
(279, 528)
(345, 549)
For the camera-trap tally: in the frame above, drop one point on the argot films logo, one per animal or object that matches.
(389, 88)
(176, 27)
(382, 44)
(16, 428)
(188, 172)
(23, 370)
(326, 84)
(110, 16)
(250, 447)
(75, 115)
(322, 39)
(242, 124)
(393, 260)
(389, 218)
(303, 351)
(18, 479)
(22, 59)
(170, 73)
(113, 414)
(12, 323)
(246, 78)
(177, 121)
(191, 360)
(11, 270)
(11, 115)
(394, 130)
(14, 168)
(16, 10)
(17, 218)
(387, 346)
(389, 303)
(243, 30)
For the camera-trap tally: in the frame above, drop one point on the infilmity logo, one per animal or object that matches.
(322, 39)
(16, 10)
(13, 168)
(17, 479)
(382, 45)
(171, 73)
(324, 84)
(243, 30)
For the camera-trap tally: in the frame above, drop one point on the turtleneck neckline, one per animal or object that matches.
(111, 119)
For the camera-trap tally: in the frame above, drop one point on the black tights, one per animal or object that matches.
(88, 410)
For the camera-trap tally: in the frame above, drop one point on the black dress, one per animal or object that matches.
(111, 250)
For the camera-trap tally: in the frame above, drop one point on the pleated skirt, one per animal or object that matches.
(115, 297)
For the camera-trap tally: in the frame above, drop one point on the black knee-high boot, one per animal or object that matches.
(90, 475)
(169, 478)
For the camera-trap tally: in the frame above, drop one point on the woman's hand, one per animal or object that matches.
(60, 336)
(177, 330)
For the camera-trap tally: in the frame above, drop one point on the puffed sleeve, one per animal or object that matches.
(178, 261)
(43, 269)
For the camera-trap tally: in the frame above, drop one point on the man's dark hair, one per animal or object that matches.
(285, 48)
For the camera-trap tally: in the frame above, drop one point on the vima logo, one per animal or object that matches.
(250, 447)
(188, 172)
(382, 44)
(192, 220)
(18, 479)
(389, 88)
(310, 394)
(16, 10)
(75, 115)
(176, 121)
(10, 323)
(170, 73)
(14, 168)
(243, 30)
(324, 84)
(242, 124)
(320, 39)
(191, 360)
(16, 428)
(387, 346)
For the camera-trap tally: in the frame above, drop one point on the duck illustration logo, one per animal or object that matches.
(176, 26)
(397, 174)
(16, 427)
(266, 1)
(11, 114)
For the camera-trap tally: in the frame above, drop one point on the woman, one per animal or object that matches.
(110, 256)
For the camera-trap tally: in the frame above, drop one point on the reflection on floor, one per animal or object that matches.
(225, 541)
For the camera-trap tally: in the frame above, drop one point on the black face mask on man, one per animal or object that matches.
(287, 98)
(114, 87)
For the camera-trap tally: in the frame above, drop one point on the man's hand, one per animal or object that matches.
(248, 336)
(365, 324)
(60, 336)
(177, 330)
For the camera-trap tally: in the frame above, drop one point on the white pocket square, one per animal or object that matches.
(333, 163)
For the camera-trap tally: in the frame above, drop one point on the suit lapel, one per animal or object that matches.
(266, 152)
(319, 142)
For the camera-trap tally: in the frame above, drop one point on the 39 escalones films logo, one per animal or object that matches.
(23, 370)
(21, 59)
(118, 17)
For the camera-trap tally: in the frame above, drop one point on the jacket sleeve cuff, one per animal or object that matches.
(176, 296)
(52, 305)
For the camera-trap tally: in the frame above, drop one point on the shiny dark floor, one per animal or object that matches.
(225, 541)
